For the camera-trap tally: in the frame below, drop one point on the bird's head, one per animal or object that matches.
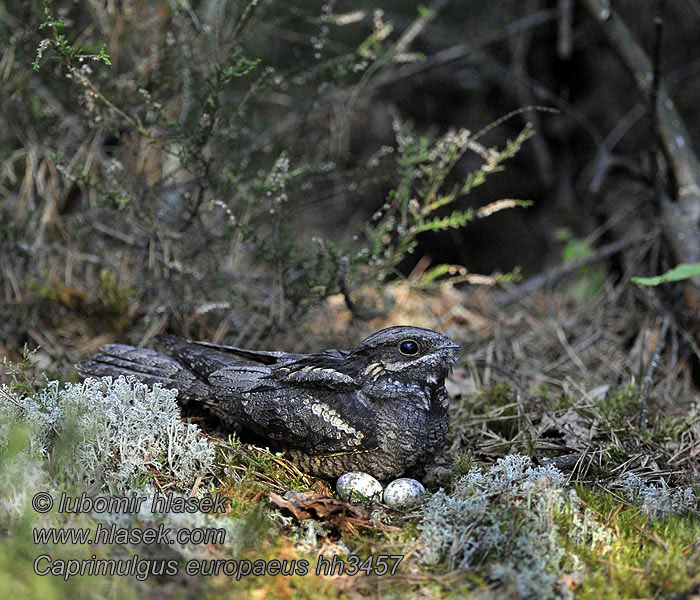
(408, 355)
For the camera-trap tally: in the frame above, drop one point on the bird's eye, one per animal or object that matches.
(408, 347)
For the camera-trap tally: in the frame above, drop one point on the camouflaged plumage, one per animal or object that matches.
(380, 408)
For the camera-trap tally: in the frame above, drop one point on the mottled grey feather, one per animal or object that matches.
(374, 408)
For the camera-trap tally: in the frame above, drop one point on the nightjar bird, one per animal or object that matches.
(380, 408)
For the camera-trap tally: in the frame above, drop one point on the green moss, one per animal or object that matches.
(648, 559)
(614, 408)
(462, 462)
(622, 554)
(252, 473)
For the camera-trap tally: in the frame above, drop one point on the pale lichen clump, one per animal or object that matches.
(659, 501)
(21, 467)
(21, 475)
(510, 517)
(102, 438)
(120, 430)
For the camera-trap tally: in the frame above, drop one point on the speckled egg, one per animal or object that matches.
(403, 492)
(359, 486)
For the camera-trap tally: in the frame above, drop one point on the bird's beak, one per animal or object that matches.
(450, 351)
(451, 346)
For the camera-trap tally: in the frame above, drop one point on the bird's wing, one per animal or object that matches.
(229, 366)
(319, 420)
(326, 370)
(307, 403)
(205, 359)
(264, 357)
(260, 356)
(301, 400)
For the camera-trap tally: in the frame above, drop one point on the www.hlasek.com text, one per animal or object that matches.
(111, 535)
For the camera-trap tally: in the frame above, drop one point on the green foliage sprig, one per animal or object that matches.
(413, 207)
(17, 374)
(65, 50)
(680, 272)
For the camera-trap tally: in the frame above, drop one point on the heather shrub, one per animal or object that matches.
(175, 163)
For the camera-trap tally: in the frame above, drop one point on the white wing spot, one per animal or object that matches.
(330, 416)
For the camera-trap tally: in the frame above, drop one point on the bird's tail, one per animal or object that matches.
(148, 366)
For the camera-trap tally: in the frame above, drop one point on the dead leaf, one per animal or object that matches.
(307, 505)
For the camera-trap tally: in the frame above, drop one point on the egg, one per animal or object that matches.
(403, 492)
(359, 486)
